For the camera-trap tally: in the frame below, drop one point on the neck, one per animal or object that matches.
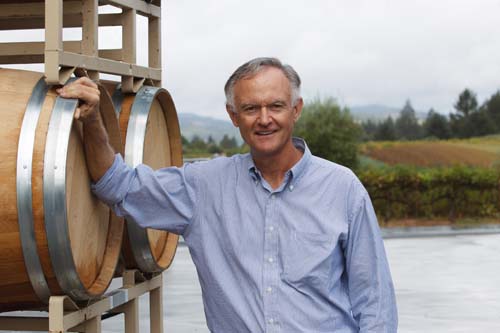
(274, 167)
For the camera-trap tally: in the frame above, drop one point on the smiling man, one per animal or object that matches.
(283, 241)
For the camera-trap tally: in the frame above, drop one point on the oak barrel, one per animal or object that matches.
(148, 122)
(55, 237)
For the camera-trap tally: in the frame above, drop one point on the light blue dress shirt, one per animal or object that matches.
(306, 257)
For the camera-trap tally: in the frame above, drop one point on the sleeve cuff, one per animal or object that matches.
(112, 186)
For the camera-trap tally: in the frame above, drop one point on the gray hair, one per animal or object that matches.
(253, 67)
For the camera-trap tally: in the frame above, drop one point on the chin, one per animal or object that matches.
(265, 150)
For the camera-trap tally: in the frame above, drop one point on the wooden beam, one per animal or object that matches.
(34, 48)
(113, 54)
(33, 52)
(142, 7)
(129, 35)
(154, 42)
(89, 27)
(68, 59)
(22, 59)
(53, 25)
(24, 10)
(13, 323)
(110, 20)
(69, 21)
(53, 40)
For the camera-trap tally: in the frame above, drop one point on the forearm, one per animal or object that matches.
(370, 284)
(98, 151)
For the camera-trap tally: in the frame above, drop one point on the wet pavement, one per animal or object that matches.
(443, 284)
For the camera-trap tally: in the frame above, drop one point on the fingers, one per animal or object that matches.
(87, 92)
(77, 113)
(86, 82)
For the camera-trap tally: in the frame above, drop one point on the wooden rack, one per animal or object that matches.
(64, 58)
(65, 316)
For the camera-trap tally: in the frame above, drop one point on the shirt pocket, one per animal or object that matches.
(306, 257)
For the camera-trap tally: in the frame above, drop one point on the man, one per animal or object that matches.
(283, 241)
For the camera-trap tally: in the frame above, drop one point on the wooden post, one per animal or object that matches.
(53, 38)
(154, 44)
(90, 28)
(93, 325)
(131, 309)
(156, 309)
(128, 45)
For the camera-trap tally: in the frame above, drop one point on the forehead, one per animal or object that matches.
(269, 84)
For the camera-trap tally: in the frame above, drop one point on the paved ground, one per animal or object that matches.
(443, 284)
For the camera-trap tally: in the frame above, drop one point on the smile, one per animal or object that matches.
(264, 132)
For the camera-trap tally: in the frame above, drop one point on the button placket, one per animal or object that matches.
(270, 269)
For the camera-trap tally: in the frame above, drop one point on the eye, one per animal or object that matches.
(277, 107)
(249, 109)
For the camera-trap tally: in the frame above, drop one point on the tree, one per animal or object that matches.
(370, 129)
(226, 143)
(212, 147)
(407, 126)
(185, 144)
(436, 125)
(184, 141)
(481, 124)
(386, 131)
(198, 144)
(466, 103)
(330, 131)
(210, 140)
(492, 107)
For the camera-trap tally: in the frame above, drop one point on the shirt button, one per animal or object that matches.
(270, 259)
(291, 187)
(270, 321)
(269, 289)
(273, 196)
(271, 229)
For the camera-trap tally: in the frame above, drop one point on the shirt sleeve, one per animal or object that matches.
(371, 290)
(162, 199)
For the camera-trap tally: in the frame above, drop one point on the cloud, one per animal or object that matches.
(361, 52)
(358, 51)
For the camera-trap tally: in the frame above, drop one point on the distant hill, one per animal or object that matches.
(192, 124)
(378, 112)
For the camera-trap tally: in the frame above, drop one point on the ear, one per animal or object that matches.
(232, 115)
(297, 109)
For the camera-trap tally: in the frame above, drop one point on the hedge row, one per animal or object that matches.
(406, 192)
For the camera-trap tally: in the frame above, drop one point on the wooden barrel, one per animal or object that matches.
(55, 237)
(148, 122)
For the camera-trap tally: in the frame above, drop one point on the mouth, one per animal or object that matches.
(265, 133)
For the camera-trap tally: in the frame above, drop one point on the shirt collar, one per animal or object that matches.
(297, 171)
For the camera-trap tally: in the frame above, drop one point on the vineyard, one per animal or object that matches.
(476, 152)
(433, 179)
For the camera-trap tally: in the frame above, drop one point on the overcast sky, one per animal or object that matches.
(360, 52)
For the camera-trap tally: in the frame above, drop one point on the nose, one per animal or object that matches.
(264, 117)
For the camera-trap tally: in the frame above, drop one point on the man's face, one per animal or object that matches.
(264, 113)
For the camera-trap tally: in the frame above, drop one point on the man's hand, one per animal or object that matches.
(88, 93)
(98, 151)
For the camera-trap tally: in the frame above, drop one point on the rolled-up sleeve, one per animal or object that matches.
(371, 290)
(162, 199)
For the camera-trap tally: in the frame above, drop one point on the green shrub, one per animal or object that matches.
(409, 192)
